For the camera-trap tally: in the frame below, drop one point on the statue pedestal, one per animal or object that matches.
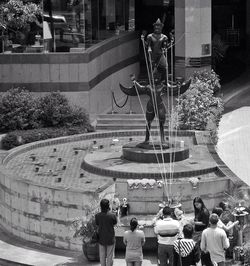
(155, 152)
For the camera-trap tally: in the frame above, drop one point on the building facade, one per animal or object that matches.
(85, 48)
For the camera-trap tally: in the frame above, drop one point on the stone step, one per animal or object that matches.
(125, 121)
(124, 126)
(122, 121)
(121, 116)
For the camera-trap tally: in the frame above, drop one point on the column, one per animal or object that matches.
(192, 36)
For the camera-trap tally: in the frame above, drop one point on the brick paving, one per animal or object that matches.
(45, 165)
(50, 168)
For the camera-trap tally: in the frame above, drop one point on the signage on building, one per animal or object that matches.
(205, 49)
(166, 2)
(156, 2)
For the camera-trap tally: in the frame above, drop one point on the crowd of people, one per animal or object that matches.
(181, 241)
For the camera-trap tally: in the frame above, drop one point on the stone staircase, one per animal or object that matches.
(123, 121)
(118, 121)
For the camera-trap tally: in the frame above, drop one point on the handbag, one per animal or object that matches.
(206, 259)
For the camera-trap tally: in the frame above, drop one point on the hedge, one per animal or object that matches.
(20, 137)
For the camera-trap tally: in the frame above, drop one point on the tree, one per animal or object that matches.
(16, 15)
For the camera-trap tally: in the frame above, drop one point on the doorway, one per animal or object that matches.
(229, 39)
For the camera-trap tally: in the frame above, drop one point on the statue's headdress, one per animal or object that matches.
(158, 22)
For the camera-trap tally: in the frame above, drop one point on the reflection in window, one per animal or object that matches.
(62, 25)
(21, 26)
(66, 23)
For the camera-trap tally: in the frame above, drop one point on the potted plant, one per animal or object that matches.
(86, 229)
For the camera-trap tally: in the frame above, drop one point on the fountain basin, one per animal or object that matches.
(155, 152)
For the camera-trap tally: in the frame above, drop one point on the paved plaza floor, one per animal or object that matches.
(234, 130)
(234, 142)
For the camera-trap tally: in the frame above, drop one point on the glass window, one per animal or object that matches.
(106, 18)
(21, 26)
(131, 21)
(64, 20)
(62, 25)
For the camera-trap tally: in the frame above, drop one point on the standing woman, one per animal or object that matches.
(201, 222)
(134, 239)
(201, 216)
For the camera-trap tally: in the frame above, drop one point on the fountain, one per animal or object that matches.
(63, 176)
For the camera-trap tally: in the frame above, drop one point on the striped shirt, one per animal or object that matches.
(184, 246)
(167, 230)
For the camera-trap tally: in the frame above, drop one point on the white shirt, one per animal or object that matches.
(215, 241)
(167, 231)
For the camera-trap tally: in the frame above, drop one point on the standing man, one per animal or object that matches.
(167, 231)
(214, 240)
(106, 220)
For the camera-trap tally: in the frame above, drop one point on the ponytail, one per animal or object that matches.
(133, 224)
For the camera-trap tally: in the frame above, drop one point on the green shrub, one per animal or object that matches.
(193, 107)
(198, 108)
(78, 117)
(18, 110)
(208, 77)
(19, 137)
(10, 141)
(55, 111)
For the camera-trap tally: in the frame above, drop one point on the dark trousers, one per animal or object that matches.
(205, 259)
(165, 255)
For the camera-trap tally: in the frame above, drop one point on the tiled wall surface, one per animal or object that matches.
(42, 214)
(90, 75)
(147, 200)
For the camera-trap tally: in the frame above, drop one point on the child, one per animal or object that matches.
(186, 251)
(115, 206)
(181, 218)
(124, 208)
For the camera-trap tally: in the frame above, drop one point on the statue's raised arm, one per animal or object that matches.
(155, 105)
(177, 88)
(136, 89)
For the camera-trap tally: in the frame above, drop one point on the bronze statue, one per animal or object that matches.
(157, 44)
(155, 50)
(155, 104)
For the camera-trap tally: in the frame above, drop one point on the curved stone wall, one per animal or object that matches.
(39, 213)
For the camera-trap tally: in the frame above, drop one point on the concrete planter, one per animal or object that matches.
(91, 251)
